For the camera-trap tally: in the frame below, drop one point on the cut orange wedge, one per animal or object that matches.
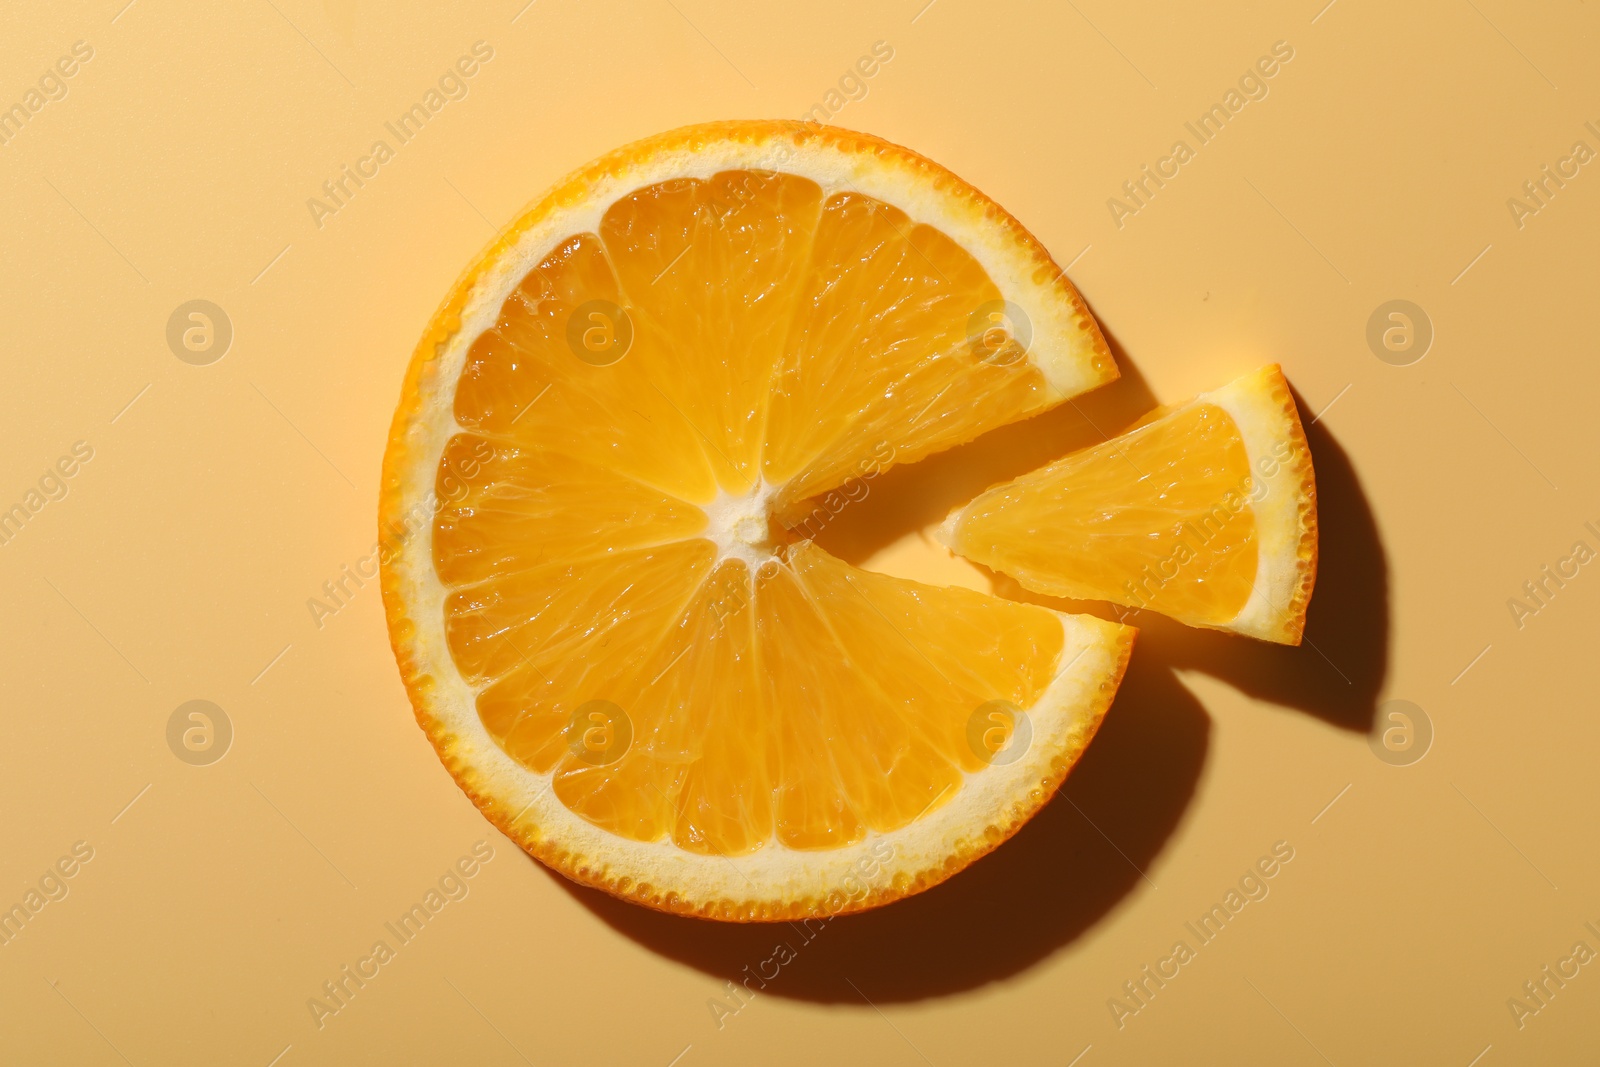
(1206, 512)
(599, 583)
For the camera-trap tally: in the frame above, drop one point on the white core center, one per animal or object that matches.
(738, 525)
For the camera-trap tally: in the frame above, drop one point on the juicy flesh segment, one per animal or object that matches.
(782, 341)
(1158, 518)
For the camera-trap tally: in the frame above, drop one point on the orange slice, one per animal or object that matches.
(1206, 512)
(616, 646)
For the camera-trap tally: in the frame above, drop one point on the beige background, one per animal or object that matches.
(219, 498)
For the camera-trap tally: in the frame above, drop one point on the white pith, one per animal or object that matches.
(738, 524)
(1260, 420)
(1063, 718)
